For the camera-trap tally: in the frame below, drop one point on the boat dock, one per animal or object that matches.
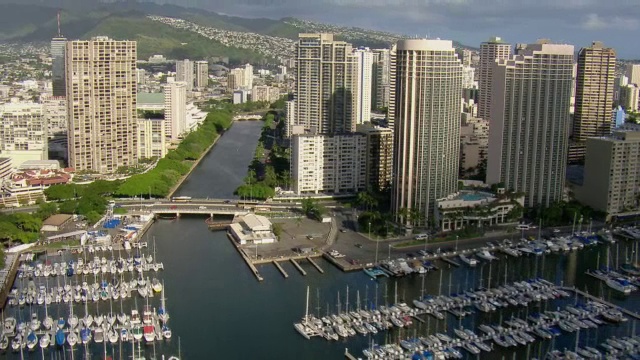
(315, 265)
(342, 264)
(630, 313)
(284, 273)
(246, 259)
(418, 318)
(295, 263)
(597, 276)
(450, 261)
(349, 356)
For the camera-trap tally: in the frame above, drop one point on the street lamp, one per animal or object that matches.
(456, 243)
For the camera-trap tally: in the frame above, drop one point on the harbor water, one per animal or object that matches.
(218, 310)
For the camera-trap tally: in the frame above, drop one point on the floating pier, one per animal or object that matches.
(418, 318)
(450, 261)
(284, 273)
(295, 263)
(627, 312)
(349, 356)
(315, 265)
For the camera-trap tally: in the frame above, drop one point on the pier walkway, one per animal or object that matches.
(630, 313)
(295, 263)
(315, 265)
(284, 273)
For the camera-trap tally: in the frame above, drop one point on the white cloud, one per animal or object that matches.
(595, 22)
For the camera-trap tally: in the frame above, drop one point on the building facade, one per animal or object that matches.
(23, 132)
(101, 104)
(55, 113)
(326, 84)
(151, 138)
(378, 157)
(633, 73)
(380, 79)
(612, 173)
(528, 135)
(184, 73)
(630, 97)
(364, 74)
(490, 51)
(474, 144)
(265, 93)
(428, 90)
(391, 110)
(595, 80)
(175, 114)
(202, 74)
(328, 164)
(58, 81)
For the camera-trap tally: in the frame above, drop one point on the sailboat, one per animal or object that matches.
(73, 319)
(304, 327)
(166, 332)
(72, 338)
(112, 335)
(32, 340)
(60, 337)
(163, 315)
(45, 340)
(47, 323)
(156, 285)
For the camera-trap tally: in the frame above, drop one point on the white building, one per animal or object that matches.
(364, 72)
(151, 138)
(468, 78)
(630, 97)
(23, 132)
(6, 168)
(240, 96)
(55, 113)
(476, 208)
(184, 73)
(175, 115)
(328, 164)
(290, 118)
(253, 229)
(528, 136)
(195, 117)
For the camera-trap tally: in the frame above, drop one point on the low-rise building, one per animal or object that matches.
(56, 222)
(328, 164)
(265, 93)
(612, 173)
(253, 229)
(6, 168)
(27, 187)
(477, 208)
(240, 96)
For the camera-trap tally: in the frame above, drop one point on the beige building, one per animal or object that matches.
(593, 97)
(184, 73)
(326, 84)
(6, 168)
(379, 156)
(528, 136)
(202, 74)
(490, 51)
(612, 173)
(151, 138)
(391, 110)
(23, 132)
(240, 78)
(175, 109)
(476, 208)
(427, 125)
(630, 97)
(328, 164)
(633, 73)
(265, 93)
(474, 143)
(101, 104)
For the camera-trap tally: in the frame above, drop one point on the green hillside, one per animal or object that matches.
(156, 38)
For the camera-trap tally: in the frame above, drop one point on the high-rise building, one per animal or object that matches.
(474, 144)
(490, 51)
(101, 104)
(528, 133)
(612, 172)
(379, 156)
(594, 97)
(391, 110)
(326, 85)
(329, 164)
(141, 76)
(55, 113)
(240, 78)
(633, 73)
(202, 74)
(247, 77)
(428, 92)
(23, 132)
(58, 45)
(364, 72)
(380, 79)
(265, 93)
(151, 138)
(184, 73)
(175, 113)
(290, 118)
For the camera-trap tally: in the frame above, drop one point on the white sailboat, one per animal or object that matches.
(163, 315)
(304, 327)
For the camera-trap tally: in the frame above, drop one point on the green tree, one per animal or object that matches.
(26, 222)
(270, 177)
(68, 207)
(61, 192)
(46, 209)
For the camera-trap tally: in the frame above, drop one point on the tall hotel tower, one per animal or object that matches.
(428, 88)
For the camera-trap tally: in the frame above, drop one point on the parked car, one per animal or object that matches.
(202, 207)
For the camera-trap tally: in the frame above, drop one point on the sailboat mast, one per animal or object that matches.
(306, 311)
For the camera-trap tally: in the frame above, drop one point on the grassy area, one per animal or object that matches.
(57, 245)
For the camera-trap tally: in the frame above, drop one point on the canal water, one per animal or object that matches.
(220, 311)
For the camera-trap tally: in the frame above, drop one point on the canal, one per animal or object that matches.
(219, 311)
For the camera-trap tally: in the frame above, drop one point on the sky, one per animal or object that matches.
(577, 22)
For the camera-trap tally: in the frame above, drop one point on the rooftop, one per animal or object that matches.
(150, 98)
(57, 220)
